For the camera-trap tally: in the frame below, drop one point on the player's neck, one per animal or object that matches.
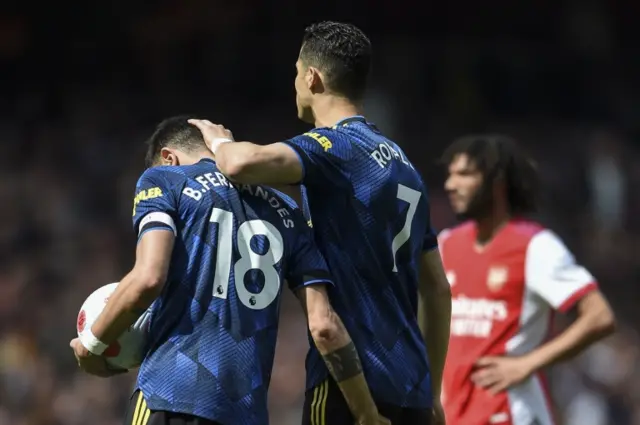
(330, 110)
(205, 154)
(489, 225)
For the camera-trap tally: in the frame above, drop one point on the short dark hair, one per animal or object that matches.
(342, 52)
(500, 157)
(173, 132)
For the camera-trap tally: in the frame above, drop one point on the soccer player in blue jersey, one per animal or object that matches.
(371, 220)
(215, 256)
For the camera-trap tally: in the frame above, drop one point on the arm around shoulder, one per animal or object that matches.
(249, 163)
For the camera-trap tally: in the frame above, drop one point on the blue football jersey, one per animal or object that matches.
(370, 215)
(213, 333)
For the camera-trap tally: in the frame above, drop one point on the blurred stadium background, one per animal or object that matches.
(83, 83)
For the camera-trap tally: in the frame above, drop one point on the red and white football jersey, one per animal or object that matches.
(503, 300)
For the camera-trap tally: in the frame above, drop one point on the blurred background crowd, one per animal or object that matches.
(82, 84)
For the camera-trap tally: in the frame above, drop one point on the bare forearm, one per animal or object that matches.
(434, 318)
(130, 299)
(345, 368)
(249, 163)
(579, 335)
(342, 360)
(434, 314)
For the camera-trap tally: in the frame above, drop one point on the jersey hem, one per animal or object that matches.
(314, 282)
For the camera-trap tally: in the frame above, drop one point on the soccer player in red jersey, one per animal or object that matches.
(508, 275)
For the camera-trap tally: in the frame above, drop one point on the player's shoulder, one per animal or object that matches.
(547, 244)
(286, 199)
(537, 241)
(525, 227)
(274, 206)
(179, 173)
(524, 231)
(326, 137)
(267, 199)
(163, 176)
(462, 231)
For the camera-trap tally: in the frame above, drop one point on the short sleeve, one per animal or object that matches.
(443, 236)
(154, 206)
(552, 272)
(307, 265)
(430, 240)
(323, 154)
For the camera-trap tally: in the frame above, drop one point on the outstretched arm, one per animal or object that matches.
(249, 163)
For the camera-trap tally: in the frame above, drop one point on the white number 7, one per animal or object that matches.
(412, 197)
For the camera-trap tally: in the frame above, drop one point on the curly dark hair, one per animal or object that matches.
(343, 53)
(173, 132)
(499, 157)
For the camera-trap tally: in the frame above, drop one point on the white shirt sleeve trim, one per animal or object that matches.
(551, 270)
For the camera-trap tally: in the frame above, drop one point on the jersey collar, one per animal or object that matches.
(356, 118)
(348, 120)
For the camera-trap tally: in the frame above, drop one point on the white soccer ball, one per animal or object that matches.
(127, 352)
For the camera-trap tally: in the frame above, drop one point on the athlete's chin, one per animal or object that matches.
(459, 207)
(305, 115)
(462, 214)
(304, 112)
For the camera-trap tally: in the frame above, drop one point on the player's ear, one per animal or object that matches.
(313, 78)
(168, 157)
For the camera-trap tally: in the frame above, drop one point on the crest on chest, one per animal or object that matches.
(497, 276)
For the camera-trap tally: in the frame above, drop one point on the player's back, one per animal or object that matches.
(213, 334)
(370, 215)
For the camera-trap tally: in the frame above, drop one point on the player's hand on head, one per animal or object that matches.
(496, 374)
(90, 363)
(213, 134)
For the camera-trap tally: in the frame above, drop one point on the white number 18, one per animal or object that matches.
(249, 260)
(412, 197)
